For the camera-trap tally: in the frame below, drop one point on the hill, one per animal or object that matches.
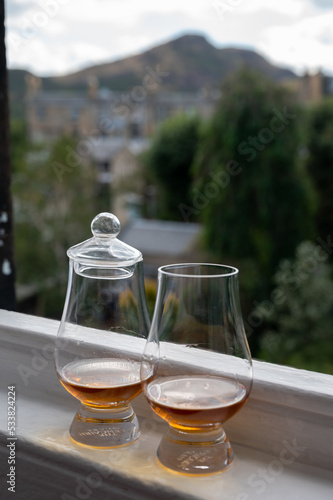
(189, 61)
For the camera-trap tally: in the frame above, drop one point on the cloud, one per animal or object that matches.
(163, 25)
(57, 59)
(18, 7)
(307, 44)
(246, 28)
(73, 37)
(114, 30)
(323, 4)
(289, 8)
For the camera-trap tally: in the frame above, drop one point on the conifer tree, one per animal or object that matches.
(320, 164)
(169, 163)
(262, 205)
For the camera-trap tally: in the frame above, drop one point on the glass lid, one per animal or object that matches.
(103, 250)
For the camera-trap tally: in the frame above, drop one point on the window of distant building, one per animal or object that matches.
(105, 125)
(103, 172)
(41, 113)
(103, 166)
(134, 130)
(329, 86)
(75, 114)
(161, 113)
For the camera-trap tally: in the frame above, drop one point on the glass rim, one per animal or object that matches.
(233, 271)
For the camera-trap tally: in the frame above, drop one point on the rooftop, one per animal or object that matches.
(156, 237)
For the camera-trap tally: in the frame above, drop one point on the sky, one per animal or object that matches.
(57, 37)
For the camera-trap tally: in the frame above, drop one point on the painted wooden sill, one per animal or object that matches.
(283, 437)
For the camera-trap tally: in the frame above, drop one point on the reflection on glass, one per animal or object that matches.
(196, 369)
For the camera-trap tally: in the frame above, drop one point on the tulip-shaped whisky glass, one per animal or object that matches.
(196, 369)
(102, 336)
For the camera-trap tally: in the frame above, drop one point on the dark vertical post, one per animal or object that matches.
(7, 271)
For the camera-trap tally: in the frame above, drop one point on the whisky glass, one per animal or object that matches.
(102, 336)
(196, 370)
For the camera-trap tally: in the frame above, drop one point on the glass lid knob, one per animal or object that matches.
(105, 225)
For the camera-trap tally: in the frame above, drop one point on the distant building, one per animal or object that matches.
(128, 188)
(312, 88)
(51, 114)
(114, 127)
(118, 166)
(107, 152)
(163, 242)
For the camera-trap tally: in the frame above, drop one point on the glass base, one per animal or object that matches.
(195, 453)
(105, 428)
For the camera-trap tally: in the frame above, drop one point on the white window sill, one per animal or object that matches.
(282, 438)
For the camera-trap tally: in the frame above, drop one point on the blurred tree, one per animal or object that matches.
(53, 193)
(151, 292)
(7, 270)
(320, 163)
(299, 323)
(169, 162)
(251, 190)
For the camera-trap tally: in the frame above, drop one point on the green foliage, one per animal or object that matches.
(320, 162)
(52, 212)
(299, 328)
(169, 162)
(263, 202)
(19, 144)
(151, 292)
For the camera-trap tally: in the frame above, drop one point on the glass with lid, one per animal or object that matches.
(102, 335)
